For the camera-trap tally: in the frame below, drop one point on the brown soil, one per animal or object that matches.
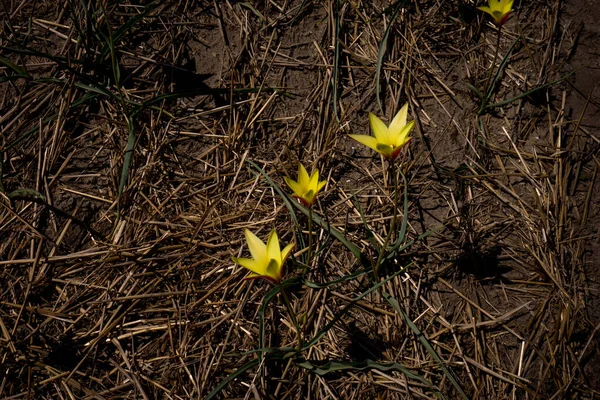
(583, 104)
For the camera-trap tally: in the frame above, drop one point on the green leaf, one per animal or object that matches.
(370, 235)
(95, 89)
(261, 316)
(225, 382)
(118, 34)
(364, 260)
(270, 352)
(343, 279)
(476, 91)
(501, 67)
(404, 226)
(25, 194)
(492, 85)
(20, 71)
(254, 11)
(126, 163)
(62, 62)
(530, 92)
(82, 100)
(398, 247)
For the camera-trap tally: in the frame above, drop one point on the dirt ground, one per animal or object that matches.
(585, 96)
(140, 139)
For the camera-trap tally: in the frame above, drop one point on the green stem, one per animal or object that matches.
(310, 238)
(488, 82)
(290, 310)
(382, 253)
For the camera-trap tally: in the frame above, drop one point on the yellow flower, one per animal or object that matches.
(499, 9)
(307, 187)
(267, 260)
(388, 141)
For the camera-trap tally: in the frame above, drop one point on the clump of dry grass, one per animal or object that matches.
(118, 278)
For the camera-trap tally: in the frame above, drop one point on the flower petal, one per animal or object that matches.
(286, 252)
(273, 249)
(498, 16)
(252, 276)
(302, 176)
(309, 198)
(486, 10)
(385, 150)
(295, 186)
(381, 132)
(257, 248)
(398, 149)
(504, 18)
(505, 5)
(314, 180)
(250, 265)
(274, 269)
(403, 135)
(284, 255)
(320, 186)
(399, 121)
(367, 140)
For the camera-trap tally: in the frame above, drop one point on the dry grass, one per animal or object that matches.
(134, 295)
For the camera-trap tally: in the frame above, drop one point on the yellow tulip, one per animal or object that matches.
(267, 259)
(307, 187)
(388, 141)
(500, 10)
